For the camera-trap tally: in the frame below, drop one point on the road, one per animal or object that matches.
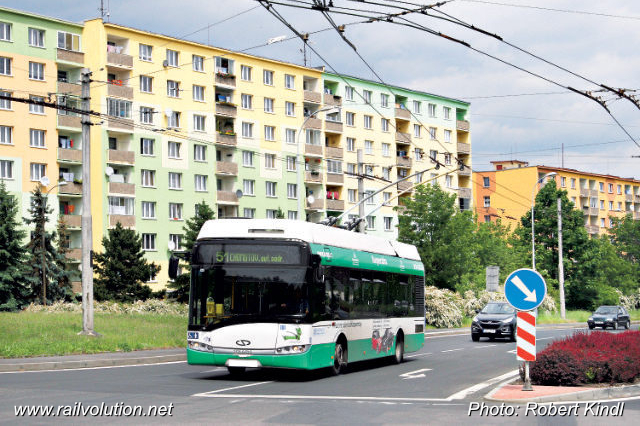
(436, 384)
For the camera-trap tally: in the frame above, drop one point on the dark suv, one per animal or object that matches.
(609, 316)
(497, 319)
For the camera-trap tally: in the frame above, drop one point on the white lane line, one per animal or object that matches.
(475, 388)
(486, 346)
(453, 350)
(414, 374)
(93, 368)
(417, 355)
(210, 393)
(322, 397)
(544, 338)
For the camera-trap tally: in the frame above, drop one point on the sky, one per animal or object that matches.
(513, 114)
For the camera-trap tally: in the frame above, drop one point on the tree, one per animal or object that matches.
(625, 234)
(62, 246)
(122, 268)
(191, 230)
(15, 283)
(48, 281)
(279, 213)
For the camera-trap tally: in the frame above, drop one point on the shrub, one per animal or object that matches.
(443, 308)
(151, 306)
(596, 357)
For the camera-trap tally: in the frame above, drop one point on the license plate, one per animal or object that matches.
(598, 322)
(243, 363)
(489, 331)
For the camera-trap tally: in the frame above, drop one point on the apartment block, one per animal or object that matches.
(506, 193)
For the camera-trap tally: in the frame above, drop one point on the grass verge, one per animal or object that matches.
(28, 334)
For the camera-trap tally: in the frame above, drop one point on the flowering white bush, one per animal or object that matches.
(151, 306)
(631, 301)
(442, 307)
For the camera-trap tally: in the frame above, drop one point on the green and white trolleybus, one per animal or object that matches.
(293, 294)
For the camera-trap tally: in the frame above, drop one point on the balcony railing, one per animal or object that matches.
(332, 126)
(119, 60)
(226, 79)
(404, 185)
(592, 229)
(226, 139)
(335, 178)
(69, 88)
(72, 220)
(227, 197)
(127, 221)
(70, 188)
(226, 109)
(121, 157)
(120, 91)
(226, 168)
(313, 149)
(316, 205)
(71, 155)
(464, 192)
(590, 211)
(333, 152)
(70, 56)
(330, 99)
(464, 172)
(464, 148)
(313, 123)
(628, 197)
(69, 121)
(335, 205)
(74, 254)
(403, 114)
(403, 162)
(120, 123)
(122, 188)
(403, 138)
(462, 125)
(315, 97)
(313, 177)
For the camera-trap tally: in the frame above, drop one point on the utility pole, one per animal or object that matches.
(87, 235)
(560, 262)
(361, 225)
(43, 257)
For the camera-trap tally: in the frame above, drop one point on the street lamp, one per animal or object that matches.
(533, 237)
(44, 181)
(299, 162)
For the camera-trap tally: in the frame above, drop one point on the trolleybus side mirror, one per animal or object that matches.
(173, 267)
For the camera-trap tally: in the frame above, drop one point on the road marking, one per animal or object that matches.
(486, 346)
(475, 388)
(92, 368)
(453, 350)
(512, 351)
(546, 338)
(417, 355)
(211, 371)
(414, 374)
(231, 388)
(322, 397)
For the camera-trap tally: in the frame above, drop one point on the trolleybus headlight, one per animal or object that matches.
(197, 346)
(293, 349)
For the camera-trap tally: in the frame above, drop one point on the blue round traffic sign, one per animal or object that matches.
(525, 289)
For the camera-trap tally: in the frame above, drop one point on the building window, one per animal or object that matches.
(487, 218)
(6, 135)
(175, 211)
(367, 121)
(291, 163)
(417, 106)
(148, 210)
(269, 133)
(447, 159)
(602, 225)
(384, 100)
(366, 94)
(351, 195)
(602, 204)
(176, 239)
(148, 178)
(36, 71)
(198, 63)
(245, 73)
(387, 223)
(146, 115)
(224, 65)
(247, 158)
(121, 206)
(351, 168)
(487, 201)
(118, 108)
(292, 215)
(175, 180)
(432, 133)
(290, 136)
(68, 41)
(249, 213)
(619, 189)
(384, 123)
(486, 182)
(368, 147)
(272, 214)
(447, 113)
(37, 171)
(292, 190)
(148, 242)
(433, 155)
(247, 130)
(174, 149)
(146, 146)
(432, 110)
(199, 153)
(270, 189)
(5, 103)
(348, 93)
(289, 81)
(5, 31)
(172, 58)
(448, 181)
(371, 199)
(386, 150)
(36, 138)
(350, 118)
(36, 37)
(601, 186)
(385, 173)
(416, 130)
(5, 66)
(198, 93)
(447, 135)
(246, 101)
(268, 105)
(610, 205)
(34, 108)
(267, 77)
(371, 222)
(610, 188)
(145, 52)
(289, 109)
(6, 169)
(573, 183)
(269, 161)
(563, 181)
(173, 88)
(351, 144)
(386, 197)
(199, 123)
(334, 167)
(248, 186)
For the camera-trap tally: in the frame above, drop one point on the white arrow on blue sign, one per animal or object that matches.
(525, 289)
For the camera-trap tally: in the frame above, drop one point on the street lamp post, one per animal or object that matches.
(533, 235)
(44, 181)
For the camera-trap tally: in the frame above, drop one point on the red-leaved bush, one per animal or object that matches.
(596, 357)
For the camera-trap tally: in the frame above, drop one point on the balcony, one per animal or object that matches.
(316, 205)
(120, 91)
(586, 192)
(65, 120)
(314, 97)
(122, 188)
(70, 56)
(69, 88)
(127, 221)
(227, 197)
(73, 221)
(592, 229)
(315, 150)
(336, 205)
(226, 80)
(117, 123)
(226, 139)
(403, 138)
(332, 126)
(636, 215)
(628, 198)
(74, 255)
(404, 185)
(462, 125)
(464, 148)
(313, 177)
(119, 60)
(590, 211)
(69, 155)
(70, 188)
(226, 168)
(313, 123)
(464, 192)
(403, 114)
(335, 178)
(404, 162)
(330, 99)
(466, 171)
(333, 152)
(226, 109)
(121, 157)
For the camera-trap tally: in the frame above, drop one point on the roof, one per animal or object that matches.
(38, 16)
(305, 231)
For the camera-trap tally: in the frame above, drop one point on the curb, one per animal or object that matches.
(586, 395)
(90, 363)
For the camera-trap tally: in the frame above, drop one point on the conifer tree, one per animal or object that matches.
(15, 288)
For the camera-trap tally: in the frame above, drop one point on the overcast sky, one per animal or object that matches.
(513, 114)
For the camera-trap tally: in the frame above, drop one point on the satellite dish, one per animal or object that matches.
(44, 181)
(311, 199)
(172, 245)
(108, 171)
(80, 266)
(239, 193)
(168, 112)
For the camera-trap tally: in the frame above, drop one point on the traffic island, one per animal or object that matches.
(513, 393)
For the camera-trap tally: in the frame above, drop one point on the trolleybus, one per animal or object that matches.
(292, 294)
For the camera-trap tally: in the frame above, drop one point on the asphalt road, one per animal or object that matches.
(435, 385)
